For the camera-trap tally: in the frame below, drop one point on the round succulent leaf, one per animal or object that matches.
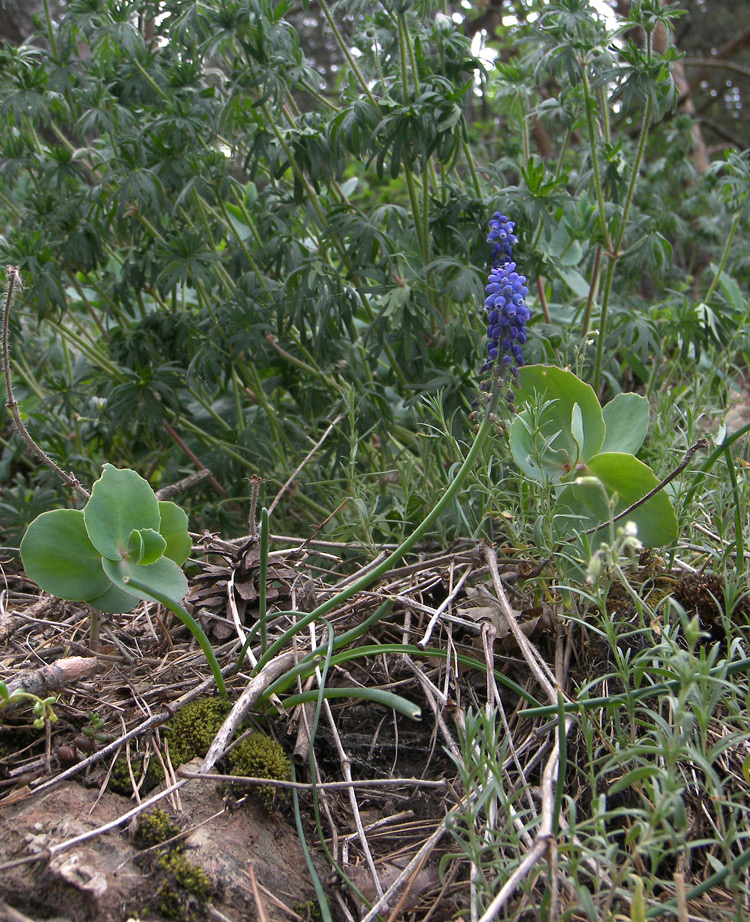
(165, 576)
(114, 601)
(135, 546)
(121, 501)
(570, 426)
(583, 505)
(536, 456)
(58, 555)
(626, 419)
(148, 545)
(174, 530)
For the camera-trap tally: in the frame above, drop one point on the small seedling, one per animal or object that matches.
(42, 706)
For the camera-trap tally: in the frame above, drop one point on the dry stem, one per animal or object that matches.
(14, 281)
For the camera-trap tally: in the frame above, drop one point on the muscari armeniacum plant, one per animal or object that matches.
(123, 547)
(561, 433)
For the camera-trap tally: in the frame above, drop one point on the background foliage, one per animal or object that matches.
(253, 237)
(236, 222)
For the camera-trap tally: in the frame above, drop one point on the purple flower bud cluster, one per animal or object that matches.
(502, 238)
(505, 304)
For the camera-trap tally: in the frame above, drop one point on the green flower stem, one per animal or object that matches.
(254, 383)
(404, 30)
(71, 385)
(195, 629)
(310, 193)
(614, 253)
(238, 393)
(472, 169)
(419, 532)
(724, 257)
(293, 360)
(21, 370)
(90, 307)
(411, 188)
(325, 910)
(247, 218)
(246, 251)
(634, 177)
(419, 219)
(525, 128)
(563, 151)
(605, 113)
(150, 227)
(592, 292)
(426, 208)
(376, 695)
(711, 460)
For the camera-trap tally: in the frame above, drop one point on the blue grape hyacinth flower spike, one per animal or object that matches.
(502, 238)
(507, 314)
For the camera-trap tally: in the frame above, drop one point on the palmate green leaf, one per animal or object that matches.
(121, 502)
(58, 555)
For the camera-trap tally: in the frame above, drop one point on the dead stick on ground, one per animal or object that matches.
(242, 706)
(545, 839)
(53, 676)
(371, 784)
(536, 663)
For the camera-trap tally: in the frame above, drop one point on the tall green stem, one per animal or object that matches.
(593, 139)
(724, 257)
(614, 253)
(50, 29)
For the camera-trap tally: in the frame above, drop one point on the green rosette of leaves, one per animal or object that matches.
(124, 533)
(562, 435)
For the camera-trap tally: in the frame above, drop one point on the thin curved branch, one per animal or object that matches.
(14, 282)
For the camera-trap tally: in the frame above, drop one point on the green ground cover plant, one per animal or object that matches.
(311, 286)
